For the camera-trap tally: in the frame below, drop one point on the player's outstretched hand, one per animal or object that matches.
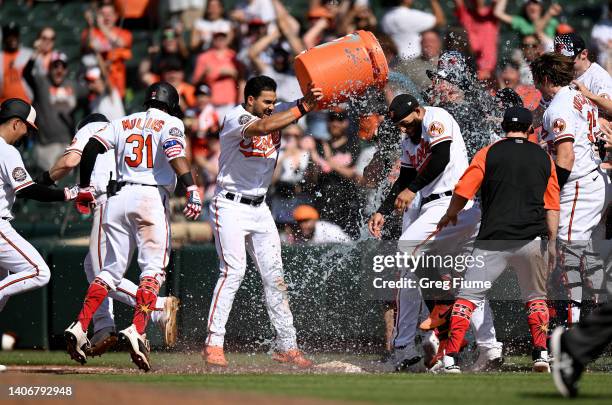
(312, 98)
(84, 199)
(375, 224)
(193, 208)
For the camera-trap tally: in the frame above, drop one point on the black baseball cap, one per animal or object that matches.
(569, 44)
(517, 115)
(401, 107)
(10, 29)
(17, 108)
(202, 89)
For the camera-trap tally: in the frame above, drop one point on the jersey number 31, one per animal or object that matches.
(139, 142)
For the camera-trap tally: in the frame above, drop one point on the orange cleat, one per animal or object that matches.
(293, 356)
(437, 317)
(214, 356)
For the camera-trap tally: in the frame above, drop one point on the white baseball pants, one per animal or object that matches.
(22, 268)
(138, 217)
(240, 228)
(418, 229)
(93, 264)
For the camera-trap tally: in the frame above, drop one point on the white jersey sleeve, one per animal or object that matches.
(437, 128)
(107, 136)
(235, 125)
(173, 140)
(560, 123)
(13, 170)
(84, 135)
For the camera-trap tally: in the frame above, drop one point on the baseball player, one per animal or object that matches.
(164, 315)
(250, 144)
(596, 79)
(433, 158)
(150, 153)
(21, 266)
(520, 205)
(570, 128)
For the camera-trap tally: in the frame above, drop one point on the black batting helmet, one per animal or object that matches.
(162, 93)
(95, 117)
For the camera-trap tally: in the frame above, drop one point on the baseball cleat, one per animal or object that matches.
(541, 363)
(293, 356)
(450, 366)
(167, 321)
(402, 358)
(565, 370)
(437, 317)
(102, 341)
(430, 345)
(138, 345)
(77, 343)
(489, 359)
(214, 356)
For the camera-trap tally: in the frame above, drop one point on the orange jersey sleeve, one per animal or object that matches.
(552, 193)
(470, 181)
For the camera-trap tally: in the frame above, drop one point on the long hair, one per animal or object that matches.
(557, 68)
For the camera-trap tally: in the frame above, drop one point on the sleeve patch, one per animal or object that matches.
(174, 131)
(558, 126)
(244, 119)
(436, 128)
(172, 148)
(19, 174)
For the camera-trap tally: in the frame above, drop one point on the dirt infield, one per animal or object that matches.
(105, 393)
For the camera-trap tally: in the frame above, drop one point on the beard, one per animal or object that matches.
(415, 138)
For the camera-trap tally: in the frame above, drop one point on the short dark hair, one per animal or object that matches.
(255, 85)
(557, 68)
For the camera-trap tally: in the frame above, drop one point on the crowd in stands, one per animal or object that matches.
(207, 49)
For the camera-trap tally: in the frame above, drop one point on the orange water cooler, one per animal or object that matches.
(343, 68)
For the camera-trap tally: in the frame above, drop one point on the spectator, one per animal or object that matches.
(322, 25)
(404, 25)
(532, 19)
(358, 17)
(288, 88)
(311, 230)
(103, 97)
(173, 72)
(601, 37)
(213, 21)
(261, 10)
(509, 77)
(202, 122)
(172, 46)
(113, 44)
(187, 10)
(332, 176)
(13, 59)
(220, 70)
(44, 44)
(415, 69)
(482, 28)
(531, 48)
(55, 100)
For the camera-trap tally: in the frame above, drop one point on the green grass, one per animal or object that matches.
(492, 388)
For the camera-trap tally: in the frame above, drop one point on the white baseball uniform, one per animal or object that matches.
(420, 222)
(245, 171)
(572, 116)
(138, 216)
(21, 266)
(104, 170)
(597, 80)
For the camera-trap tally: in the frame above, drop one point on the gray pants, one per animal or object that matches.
(527, 260)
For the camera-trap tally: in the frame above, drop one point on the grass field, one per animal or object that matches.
(256, 376)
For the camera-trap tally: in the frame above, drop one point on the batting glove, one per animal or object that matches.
(84, 199)
(193, 208)
(71, 193)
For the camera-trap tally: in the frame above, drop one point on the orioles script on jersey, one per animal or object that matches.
(261, 146)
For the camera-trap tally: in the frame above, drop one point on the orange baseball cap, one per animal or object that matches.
(305, 212)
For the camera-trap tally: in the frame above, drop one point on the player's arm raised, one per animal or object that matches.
(280, 120)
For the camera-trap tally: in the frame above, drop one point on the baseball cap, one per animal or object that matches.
(569, 44)
(10, 29)
(17, 108)
(305, 212)
(202, 89)
(452, 68)
(93, 73)
(57, 56)
(402, 106)
(517, 115)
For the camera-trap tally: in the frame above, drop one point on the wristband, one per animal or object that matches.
(562, 175)
(192, 188)
(303, 110)
(187, 179)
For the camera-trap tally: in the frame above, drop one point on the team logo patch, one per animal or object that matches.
(174, 131)
(436, 129)
(558, 126)
(244, 119)
(19, 174)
